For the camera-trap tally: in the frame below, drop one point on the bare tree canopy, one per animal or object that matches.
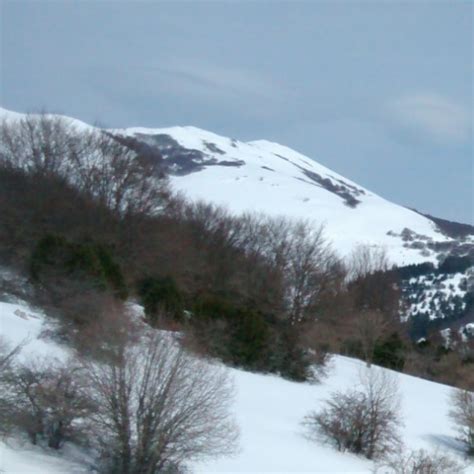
(462, 415)
(418, 462)
(91, 160)
(158, 407)
(44, 398)
(364, 420)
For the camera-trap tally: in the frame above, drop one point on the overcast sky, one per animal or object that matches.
(381, 92)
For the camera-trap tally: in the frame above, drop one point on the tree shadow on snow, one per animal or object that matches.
(446, 443)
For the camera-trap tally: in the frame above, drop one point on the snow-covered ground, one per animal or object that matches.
(20, 324)
(269, 411)
(23, 458)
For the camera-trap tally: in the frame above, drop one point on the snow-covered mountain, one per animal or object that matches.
(267, 177)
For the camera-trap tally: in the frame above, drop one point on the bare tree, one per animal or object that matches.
(8, 354)
(370, 282)
(374, 299)
(89, 159)
(370, 326)
(462, 415)
(158, 407)
(366, 259)
(38, 144)
(117, 177)
(308, 270)
(45, 399)
(365, 420)
(299, 253)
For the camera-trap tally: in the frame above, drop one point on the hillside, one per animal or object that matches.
(268, 409)
(262, 176)
(90, 225)
(267, 177)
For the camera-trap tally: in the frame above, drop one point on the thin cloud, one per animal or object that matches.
(431, 116)
(207, 80)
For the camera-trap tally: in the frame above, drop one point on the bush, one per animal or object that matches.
(55, 258)
(237, 335)
(363, 421)
(45, 399)
(161, 296)
(289, 357)
(250, 339)
(419, 462)
(157, 407)
(389, 353)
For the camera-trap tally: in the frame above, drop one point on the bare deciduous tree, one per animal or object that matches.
(374, 299)
(46, 398)
(38, 144)
(462, 415)
(117, 177)
(371, 284)
(158, 407)
(8, 354)
(92, 160)
(366, 260)
(308, 270)
(300, 254)
(370, 326)
(365, 420)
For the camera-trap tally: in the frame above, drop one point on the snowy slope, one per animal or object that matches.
(267, 177)
(268, 410)
(20, 324)
(21, 458)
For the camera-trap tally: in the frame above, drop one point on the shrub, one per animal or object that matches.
(289, 357)
(419, 462)
(250, 339)
(363, 421)
(55, 258)
(44, 400)
(237, 335)
(161, 296)
(157, 407)
(389, 353)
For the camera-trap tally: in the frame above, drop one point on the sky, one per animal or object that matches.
(379, 91)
